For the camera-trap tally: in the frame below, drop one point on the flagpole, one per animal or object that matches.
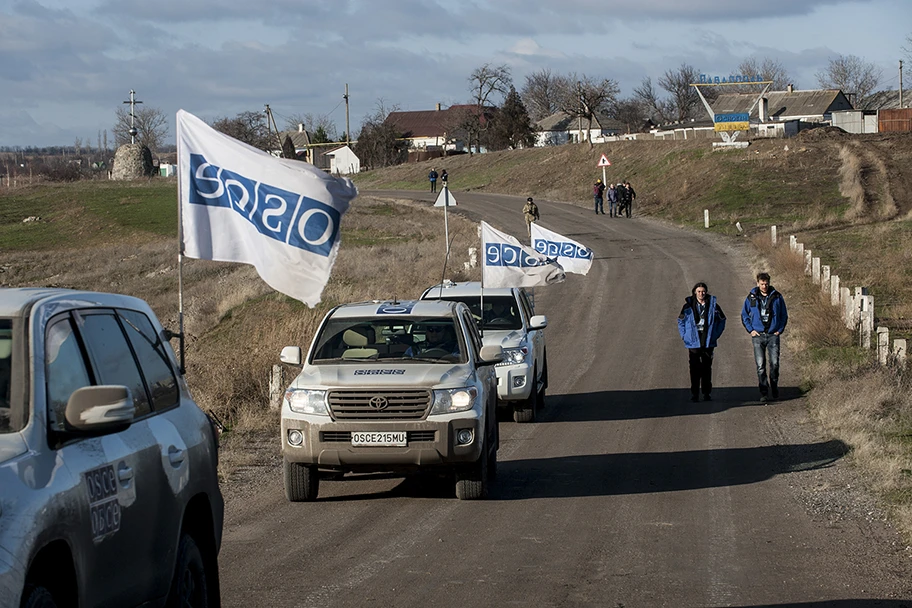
(180, 252)
(446, 224)
(481, 291)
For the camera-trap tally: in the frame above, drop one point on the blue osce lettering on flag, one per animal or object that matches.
(504, 254)
(572, 256)
(275, 212)
(563, 249)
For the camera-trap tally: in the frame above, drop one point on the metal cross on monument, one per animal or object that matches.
(133, 103)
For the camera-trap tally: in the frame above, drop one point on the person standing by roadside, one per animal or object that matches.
(631, 196)
(530, 211)
(765, 316)
(444, 176)
(622, 198)
(432, 177)
(700, 324)
(612, 201)
(598, 192)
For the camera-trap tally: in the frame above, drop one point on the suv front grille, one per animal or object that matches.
(380, 404)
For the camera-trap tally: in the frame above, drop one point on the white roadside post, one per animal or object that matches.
(799, 249)
(825, 279)
(867, 320)
(815, 270)
(848, 304)
(808, 265)
(706, 218)
(276, 387)
(835, 292)
(793, 242)
(883, 344)
(773, 237)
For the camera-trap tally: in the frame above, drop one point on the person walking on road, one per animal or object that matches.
(700, 324)
(432, 177)
(444, 176)
(622, 198)
(598, 192)
(765, 316)
(631, 196)
(612, 201)
(530, 211)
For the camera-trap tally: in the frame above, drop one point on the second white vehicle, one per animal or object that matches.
(507, 318)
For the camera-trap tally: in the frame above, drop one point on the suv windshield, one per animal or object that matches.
(6, 374)
(499, 311)
(426, 339)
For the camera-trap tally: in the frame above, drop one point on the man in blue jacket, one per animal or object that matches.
(700, 324)
(764, 316)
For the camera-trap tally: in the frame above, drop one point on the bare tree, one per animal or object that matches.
(852, 75)
(312, 123)
(659, 110)
(585, 96)
(632, 112)
(380, 142)
(768, 69)
(684, 98)
(151, 127)
(541, 94)
(484, 83)
(250, 128)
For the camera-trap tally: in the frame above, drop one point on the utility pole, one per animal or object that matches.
(348, 127)
(132, 103)
(579, 113)
(900, 84)
(270, 125)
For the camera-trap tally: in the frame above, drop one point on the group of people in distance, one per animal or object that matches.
(620, 198)
(433, 176)
(701, 323)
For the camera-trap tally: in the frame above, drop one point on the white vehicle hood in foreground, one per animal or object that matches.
(510, 338)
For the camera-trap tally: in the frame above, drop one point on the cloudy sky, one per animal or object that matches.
(67, 65)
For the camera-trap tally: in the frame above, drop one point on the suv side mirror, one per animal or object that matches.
(291, 355)
(100, 409)
(491, 354)
(538, 322)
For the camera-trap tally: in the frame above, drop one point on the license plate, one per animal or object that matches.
(385, 438)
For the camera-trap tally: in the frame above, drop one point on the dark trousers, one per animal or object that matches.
(701, 370)
(433, 185)
(599, 205)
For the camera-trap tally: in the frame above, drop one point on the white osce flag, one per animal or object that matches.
(240, 204)
(507, 263)
(573, 256)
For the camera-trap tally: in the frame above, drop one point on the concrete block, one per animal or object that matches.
(774, 238)
(835, 292)
(883, 345)
(815, 270)
(825, 279)
(793, 242)
(808, 262)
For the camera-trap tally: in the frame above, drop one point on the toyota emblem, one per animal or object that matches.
(379, 402)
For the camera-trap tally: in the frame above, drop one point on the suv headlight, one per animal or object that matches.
(514, 356)
(307, 401)
(447, 401)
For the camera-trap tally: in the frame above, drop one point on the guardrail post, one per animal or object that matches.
(899, 351)
(775, 240)
(793, 242)
(825, 278)
(866, 321)
(815, 270)
(706, 218)
(883, 345)
(835, 292)
(276, 387)
(848, 307)
(808, 262)
(799, 249)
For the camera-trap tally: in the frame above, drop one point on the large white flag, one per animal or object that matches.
(573, 256)
(507, 263)
(240, 204)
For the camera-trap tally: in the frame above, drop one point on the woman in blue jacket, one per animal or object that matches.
(700, 324)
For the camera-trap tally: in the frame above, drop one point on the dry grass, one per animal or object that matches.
(867, 406)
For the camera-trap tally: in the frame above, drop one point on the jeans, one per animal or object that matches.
(701, 370)
(612, 208)
(766, 352)
(599, 205)
(433, 185)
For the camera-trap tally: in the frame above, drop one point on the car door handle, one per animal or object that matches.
(175, 456)
(124, 473)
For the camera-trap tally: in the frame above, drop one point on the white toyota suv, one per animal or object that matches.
(507, 318)
(109, 491)
(392, 387)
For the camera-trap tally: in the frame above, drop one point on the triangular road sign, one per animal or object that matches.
(604, 162)
(445, 198)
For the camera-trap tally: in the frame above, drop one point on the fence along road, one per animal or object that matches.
(624, 493)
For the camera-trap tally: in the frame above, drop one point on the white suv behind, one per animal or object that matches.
(506, 317)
